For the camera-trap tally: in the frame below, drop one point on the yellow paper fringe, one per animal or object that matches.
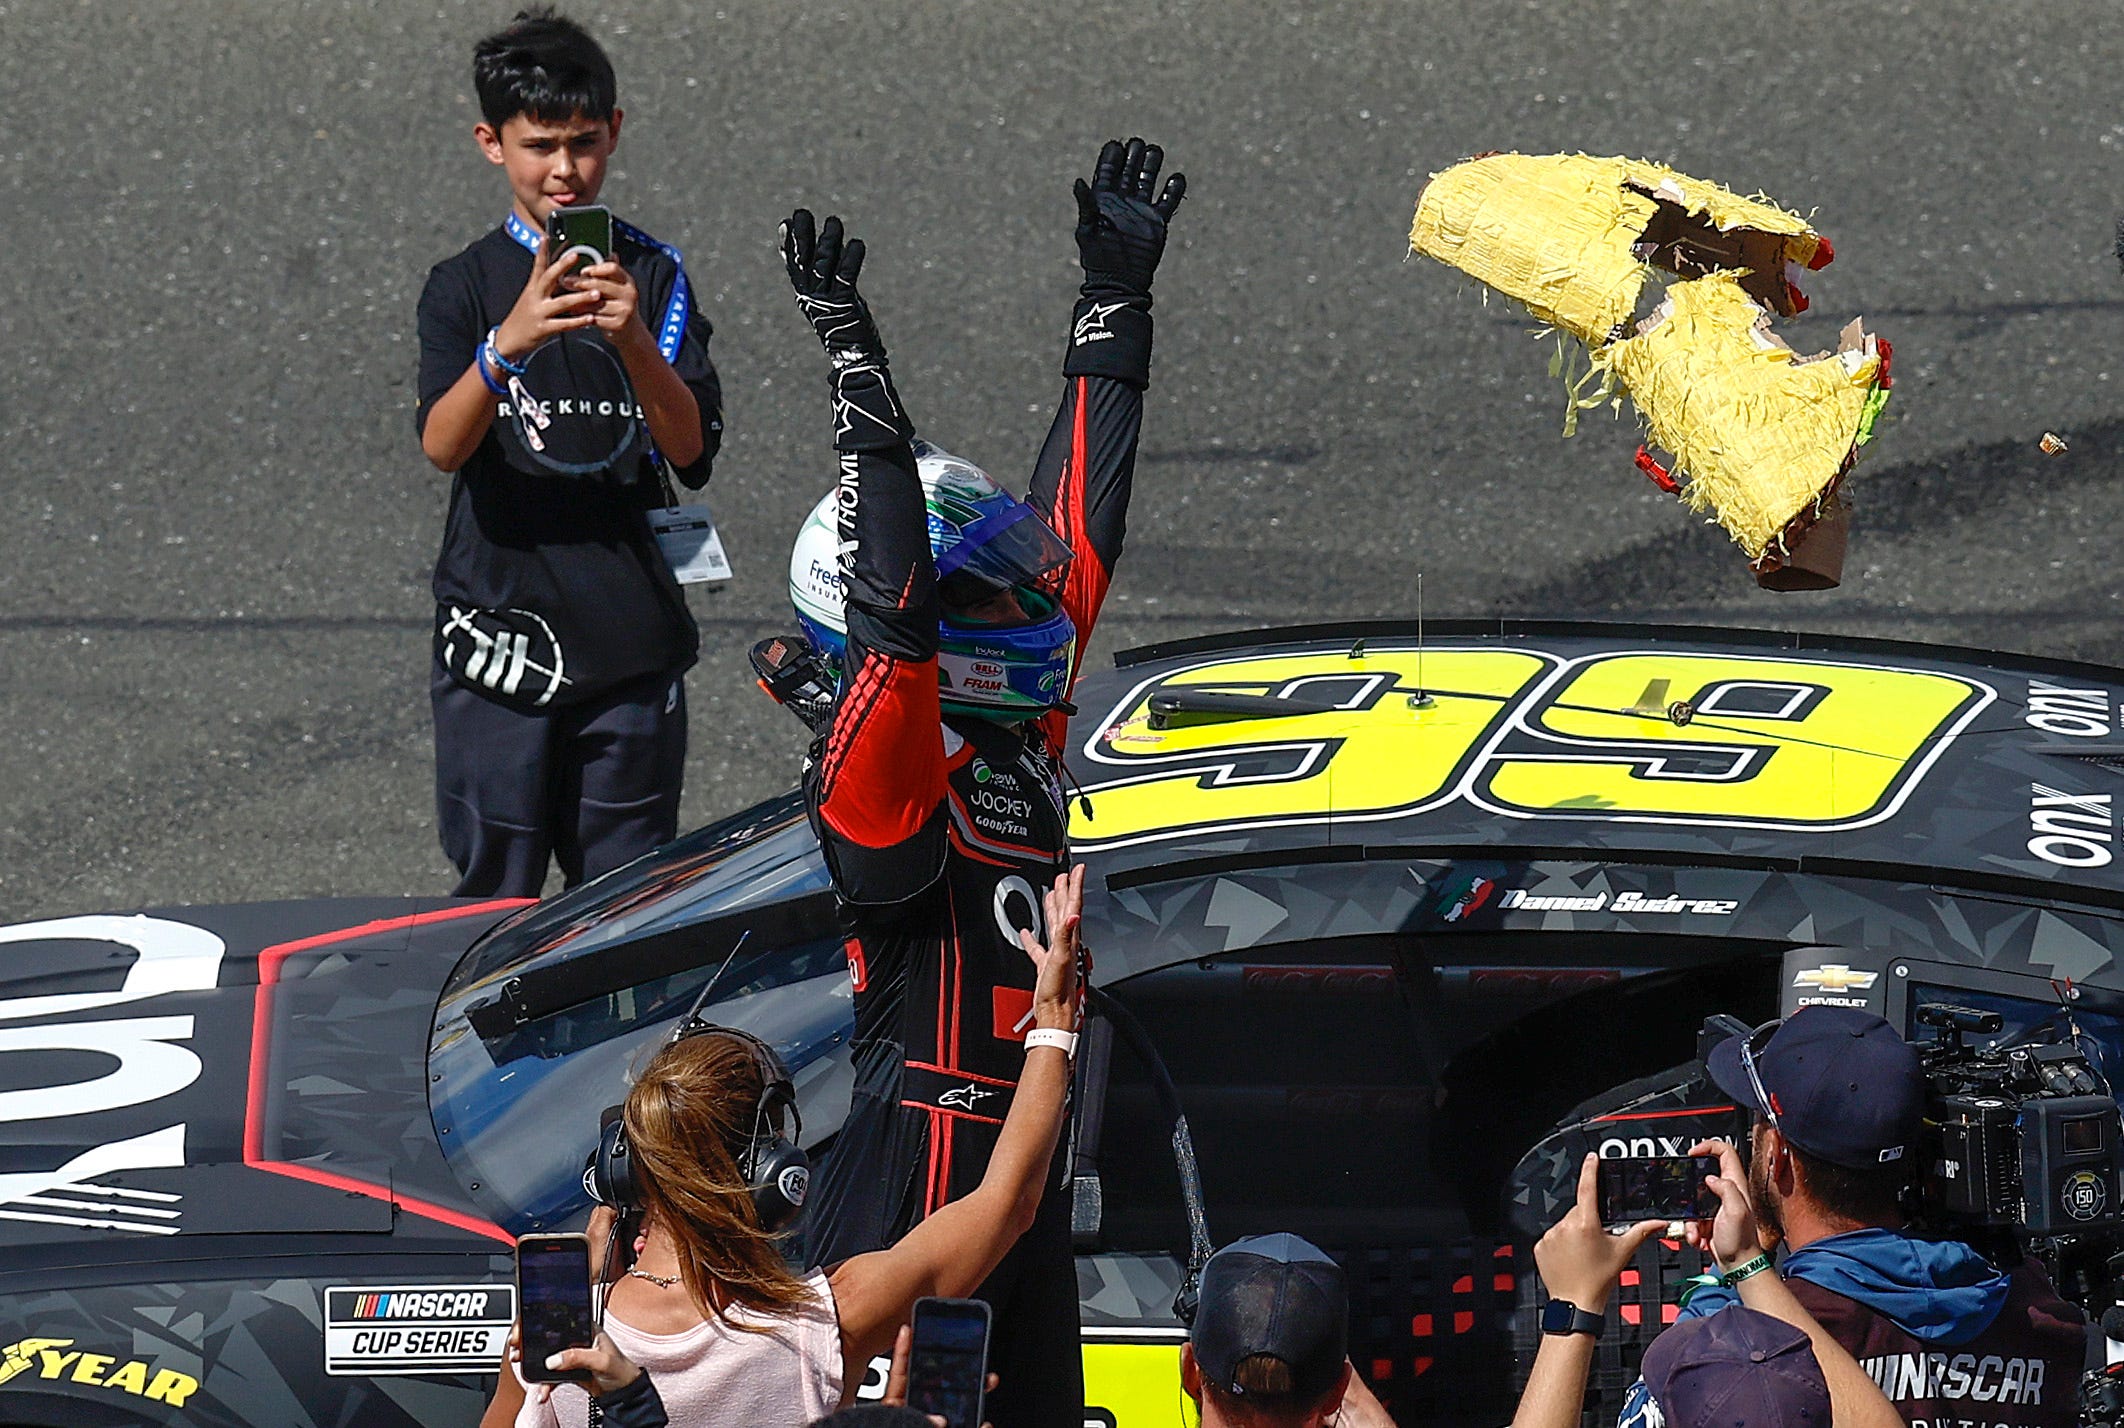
(1758, 432)
(1554, 231)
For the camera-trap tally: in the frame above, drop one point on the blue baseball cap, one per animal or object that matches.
(1836, 1082)
(1737, 1368)
(1277, 1295)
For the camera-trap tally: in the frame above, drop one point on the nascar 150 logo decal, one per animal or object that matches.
(1642, 736)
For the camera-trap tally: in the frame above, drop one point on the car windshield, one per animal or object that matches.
(543, 1022)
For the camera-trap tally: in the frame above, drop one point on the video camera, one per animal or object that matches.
(2022, 1138)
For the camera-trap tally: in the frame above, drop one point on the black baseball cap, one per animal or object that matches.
(1841, 1084)
(1278, 1295)
(1737, 1368)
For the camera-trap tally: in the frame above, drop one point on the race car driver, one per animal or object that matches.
(952, 617)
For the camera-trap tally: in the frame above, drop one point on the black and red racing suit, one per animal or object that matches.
(941, 831)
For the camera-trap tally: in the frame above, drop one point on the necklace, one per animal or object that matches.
(659, 1280)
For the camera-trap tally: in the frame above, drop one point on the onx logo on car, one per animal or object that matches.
(149, 1062)
(417, 1328)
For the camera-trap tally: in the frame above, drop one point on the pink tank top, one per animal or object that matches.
(716, 1375)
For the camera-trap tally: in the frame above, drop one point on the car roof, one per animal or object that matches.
(1556, 739)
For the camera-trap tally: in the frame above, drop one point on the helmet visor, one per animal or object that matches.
(1007, 547)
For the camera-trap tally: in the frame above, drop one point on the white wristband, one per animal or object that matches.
(1053, 1036)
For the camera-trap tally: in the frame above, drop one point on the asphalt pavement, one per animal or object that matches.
(213, 571)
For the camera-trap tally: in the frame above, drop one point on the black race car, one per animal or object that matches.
(1392, 909)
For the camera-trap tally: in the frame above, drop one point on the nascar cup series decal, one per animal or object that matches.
(1634, 736)
(417, 1328)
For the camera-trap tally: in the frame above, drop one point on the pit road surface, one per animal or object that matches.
(213, 571)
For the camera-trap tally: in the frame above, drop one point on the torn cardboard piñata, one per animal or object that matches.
(1671, 284)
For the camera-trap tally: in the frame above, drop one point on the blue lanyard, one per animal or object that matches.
(673, 328)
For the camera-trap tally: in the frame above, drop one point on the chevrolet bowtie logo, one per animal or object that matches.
(1835, 977)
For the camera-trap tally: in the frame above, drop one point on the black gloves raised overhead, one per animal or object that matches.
(822, 272)
(1120, 227)
(1120, 238)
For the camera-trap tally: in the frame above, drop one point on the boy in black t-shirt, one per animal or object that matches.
(555, 393)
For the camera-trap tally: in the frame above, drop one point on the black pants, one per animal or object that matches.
(870, 1190)
(1035, 1345)
(592, 785)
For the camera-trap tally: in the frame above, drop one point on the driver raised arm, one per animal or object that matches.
(952, 616)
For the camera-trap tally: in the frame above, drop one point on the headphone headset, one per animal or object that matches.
(776, 1171)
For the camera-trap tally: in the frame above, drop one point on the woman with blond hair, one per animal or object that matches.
(726, 1332)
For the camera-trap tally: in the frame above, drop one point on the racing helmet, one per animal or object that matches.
(986, 543)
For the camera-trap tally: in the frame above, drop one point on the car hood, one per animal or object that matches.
(249, 1069)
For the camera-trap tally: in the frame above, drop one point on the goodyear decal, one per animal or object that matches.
(1635, 736)
(59, 1361)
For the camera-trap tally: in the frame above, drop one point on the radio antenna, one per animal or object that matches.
(693, 1013)
(1421, 699)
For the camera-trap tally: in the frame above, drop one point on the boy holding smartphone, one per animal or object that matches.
(560, 394)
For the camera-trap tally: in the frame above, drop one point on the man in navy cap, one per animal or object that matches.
(1764, 1364)
(1837, 1098)
(1269, 1345)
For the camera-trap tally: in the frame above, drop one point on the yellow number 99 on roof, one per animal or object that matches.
(1357, 745)
(1631, 736)
(1786, 742)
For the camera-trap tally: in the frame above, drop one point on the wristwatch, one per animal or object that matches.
(1561, 1316)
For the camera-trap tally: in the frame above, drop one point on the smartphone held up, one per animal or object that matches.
(947, 1366)
(583, 232)
(553, 1290)
(1657, 1187)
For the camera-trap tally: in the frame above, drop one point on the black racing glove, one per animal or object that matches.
(1120, 238)
(822, 272)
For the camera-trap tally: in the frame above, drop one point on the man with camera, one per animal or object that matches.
(1838, 1099)
(1767, 1364)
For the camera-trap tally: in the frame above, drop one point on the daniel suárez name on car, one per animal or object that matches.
(1525, 901)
